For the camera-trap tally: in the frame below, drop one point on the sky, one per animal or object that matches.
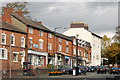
(101, 16)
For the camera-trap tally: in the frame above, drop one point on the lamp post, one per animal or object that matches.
(54, 45)
(77, 69)
(77, 51)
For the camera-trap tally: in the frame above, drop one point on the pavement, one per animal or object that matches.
(89, 76)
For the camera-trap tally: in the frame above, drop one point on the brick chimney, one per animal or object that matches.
(77, 24)
(40, 22)
(20, 13)
(86, 26)
(7, 14)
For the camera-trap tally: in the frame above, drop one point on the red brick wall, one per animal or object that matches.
(16, 48)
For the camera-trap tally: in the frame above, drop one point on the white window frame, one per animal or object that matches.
(13, 40)
(23, 45)
(60, 47)
(87, 54)
(84, 54)
(67, 49)
(50, 35)
(40, 43)
(60, 40)
(30, 30)
(74, 42)
(4, 54)
(5, 38)
(78, 52)
(74, 51)
(49, 46)
(41, 33)
(17, 56)
(67, 42)
(31, 41)
(81, 52)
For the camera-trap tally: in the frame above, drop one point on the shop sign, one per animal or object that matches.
(67, 57)
(35, 45)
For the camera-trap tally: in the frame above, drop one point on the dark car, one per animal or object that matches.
(93, 68)
(114, 70)
(102, 70)
(66, 70)
(82, 70)
(89, 69)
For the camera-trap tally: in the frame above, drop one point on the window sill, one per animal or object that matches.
(12, 45)
(23, 46)
(3, 59)
(15, 61)
(3, 43)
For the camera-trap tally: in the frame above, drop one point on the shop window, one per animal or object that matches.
(41, 33)
(3, 54)
(41, 61)
(30, 30)
(3, 38)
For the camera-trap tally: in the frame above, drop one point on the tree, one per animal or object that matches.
(105, 42)
(116, 37)
(18, 6)
(113, 53)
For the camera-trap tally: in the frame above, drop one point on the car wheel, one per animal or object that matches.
(98, 72)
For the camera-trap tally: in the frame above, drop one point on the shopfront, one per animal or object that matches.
(37, 59)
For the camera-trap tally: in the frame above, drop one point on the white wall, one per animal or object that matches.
(94, 41)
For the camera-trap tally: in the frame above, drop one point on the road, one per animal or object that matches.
(89, 76)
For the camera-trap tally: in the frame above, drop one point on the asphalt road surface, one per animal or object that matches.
(89, 76)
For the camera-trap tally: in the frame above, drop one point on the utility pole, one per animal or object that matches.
(10, 59)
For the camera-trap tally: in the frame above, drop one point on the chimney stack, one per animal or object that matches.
(20, 13)
(40, 22)
(86, 26)
(7, 14)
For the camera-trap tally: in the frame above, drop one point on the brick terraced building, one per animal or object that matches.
(38, 44)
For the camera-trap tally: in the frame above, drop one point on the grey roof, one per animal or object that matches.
(10, 27)
(30, 22)
(39, 26)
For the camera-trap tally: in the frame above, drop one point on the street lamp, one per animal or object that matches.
(54, 44)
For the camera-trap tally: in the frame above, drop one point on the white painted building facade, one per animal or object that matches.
(94, 40)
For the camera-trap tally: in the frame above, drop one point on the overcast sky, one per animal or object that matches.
(101, 17)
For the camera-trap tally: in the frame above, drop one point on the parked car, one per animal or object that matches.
(82, 70)
(93, 68)
(102, 70)
(66, 70)
(89, 69)
(114, 70)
